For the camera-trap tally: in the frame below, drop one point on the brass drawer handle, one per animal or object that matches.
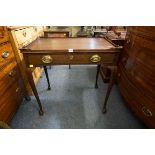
(12, 73)
(71, 57)
(5, 54)
(95, 58)
(146, 111)
(47, 59)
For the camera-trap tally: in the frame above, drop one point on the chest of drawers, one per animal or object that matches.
(11, 85)
(137, 73)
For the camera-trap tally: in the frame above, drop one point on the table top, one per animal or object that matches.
(65, 44)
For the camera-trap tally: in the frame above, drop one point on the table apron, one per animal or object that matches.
(36, 60)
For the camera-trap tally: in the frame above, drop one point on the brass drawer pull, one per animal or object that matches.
(47, 59)
(71, 57)
(12, 73)
(5, 54)
(146, 111)
(95, 58)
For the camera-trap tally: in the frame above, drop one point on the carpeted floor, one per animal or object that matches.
(74, 103)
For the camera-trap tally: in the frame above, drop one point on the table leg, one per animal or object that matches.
(111, 83)
(46, 73)
(32, 84)
(69, 66)
(27, 98)
(97, 75)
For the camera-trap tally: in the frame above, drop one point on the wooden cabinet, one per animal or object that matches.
(3, 34)
(11, 84)
(20, 37)
(137, 73)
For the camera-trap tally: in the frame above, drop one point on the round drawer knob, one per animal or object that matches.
(5, 54)
(47, 59)
(146, 111)
(12, 73)
(95, 58)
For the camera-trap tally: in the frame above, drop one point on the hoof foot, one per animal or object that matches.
(104, 110)
(41, 113)
(49, 88)
(96, 86)
(27, 98)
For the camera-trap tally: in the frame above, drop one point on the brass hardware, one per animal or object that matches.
(95, 58)
(47, 59)
(71, 57)
(24, 33)
(30, 66)
(146, 111)
(5, 54)
(12, 73)
(17, 90)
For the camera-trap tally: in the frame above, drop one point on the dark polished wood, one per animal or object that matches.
(46, 73)
(12, 88)
(136, 75)
(97, 75)
(113, 75)
(31, 81)
(62, 51)
(63, 44)
(118, 41)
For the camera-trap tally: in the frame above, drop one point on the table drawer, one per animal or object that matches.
(75, 58)
(6, 54)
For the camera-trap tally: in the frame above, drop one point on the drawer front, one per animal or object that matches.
(8, 76)
(139, 102)
(140, 66)
(62, 59)
(6, 54)
(10, 102)
(3, 34)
